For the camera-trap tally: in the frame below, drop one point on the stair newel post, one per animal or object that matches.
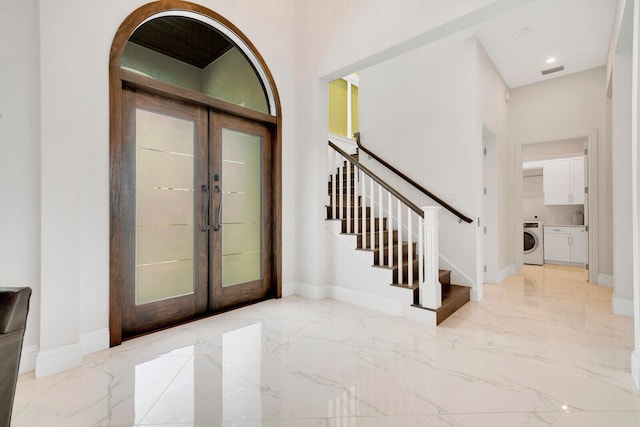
(400, 252)
(347, 165)
(431, 289)
(409, 249)
(380, 228)
(389, 230)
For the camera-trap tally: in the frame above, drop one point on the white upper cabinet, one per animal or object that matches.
(556, 181)
(577, 180)
(563, 181)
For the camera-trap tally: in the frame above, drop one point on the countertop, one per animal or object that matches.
(563, 225)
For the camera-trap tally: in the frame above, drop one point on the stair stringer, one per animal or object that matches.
(353, 279)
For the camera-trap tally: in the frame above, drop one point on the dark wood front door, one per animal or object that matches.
(242, 236)
(196, 209)
(165, 162)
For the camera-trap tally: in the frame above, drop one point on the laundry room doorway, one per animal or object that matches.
(557, 193)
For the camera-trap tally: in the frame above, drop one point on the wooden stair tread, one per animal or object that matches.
(386, 246)
(452, 299)
(414, 286)
(365, 241)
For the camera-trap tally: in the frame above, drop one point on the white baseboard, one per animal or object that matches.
(311, 291)
(93, 341)
(605, 280)
(57, 360)
(622, 307)
(477, 293)
(60, 359)
(499, 276)
(28, 358)
(361, 299)
(635, 368)
(288, 289)
(374, 302)
(506, 272)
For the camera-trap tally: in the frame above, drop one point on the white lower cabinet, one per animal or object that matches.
(556, 244)
(564, 245)
(578, 245)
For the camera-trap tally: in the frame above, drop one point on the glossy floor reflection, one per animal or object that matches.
(543, 348)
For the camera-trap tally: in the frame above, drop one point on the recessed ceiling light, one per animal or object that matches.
(551, 60)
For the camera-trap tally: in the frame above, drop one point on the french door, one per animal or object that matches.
(241, 241)
(197, 209)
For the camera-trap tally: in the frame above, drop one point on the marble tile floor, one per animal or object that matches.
(541, 349)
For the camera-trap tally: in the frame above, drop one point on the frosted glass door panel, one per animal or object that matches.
(164, 207)
(164, 133)
(160, 281)
(164, 244)
(164, 170)
(241, 207)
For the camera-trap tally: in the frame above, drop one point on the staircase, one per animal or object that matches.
(391, 251)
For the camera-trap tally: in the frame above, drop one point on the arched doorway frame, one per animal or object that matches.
(117, 228)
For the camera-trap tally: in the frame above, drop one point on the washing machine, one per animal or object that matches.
(533, 242)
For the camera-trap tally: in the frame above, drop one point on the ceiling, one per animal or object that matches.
(575, 32)
(182, 38)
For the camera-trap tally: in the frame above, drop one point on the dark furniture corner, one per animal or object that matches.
(14, 307)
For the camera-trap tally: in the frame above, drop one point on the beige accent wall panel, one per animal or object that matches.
(338, 107)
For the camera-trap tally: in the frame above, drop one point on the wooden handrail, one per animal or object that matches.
(377, 179)
(426, 192)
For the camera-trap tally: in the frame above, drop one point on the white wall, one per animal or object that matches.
(635, 118)
(563, 107)
(20, 155)
(418, 112)
(425, 111)
(554, 149)
(621, 164)
(493, 111)
(75, 140)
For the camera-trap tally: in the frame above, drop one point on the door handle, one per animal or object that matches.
(219, 215)
(207, 200)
